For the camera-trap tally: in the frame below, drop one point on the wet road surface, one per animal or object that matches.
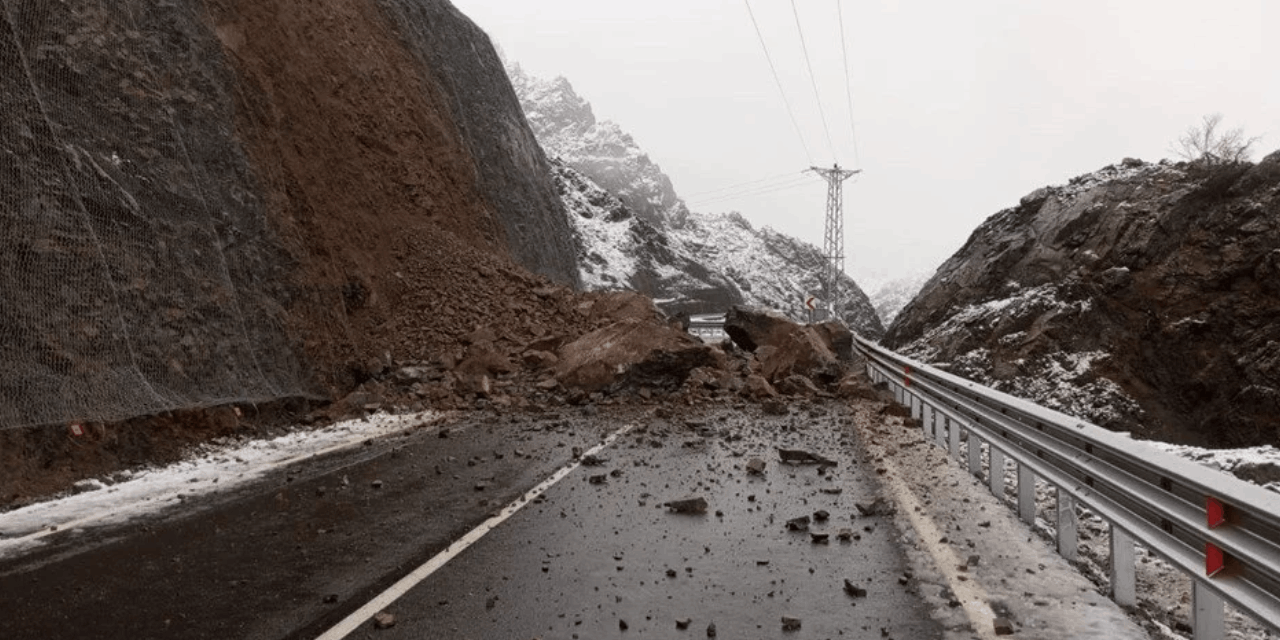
(599, 556)
(294, 555)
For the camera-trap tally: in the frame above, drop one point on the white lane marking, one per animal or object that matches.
(401, 587)
(975, 600)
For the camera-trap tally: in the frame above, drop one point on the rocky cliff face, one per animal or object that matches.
(635, 233)
(240, 200)
(1142, 297)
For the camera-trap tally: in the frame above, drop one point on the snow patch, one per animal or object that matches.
(212, 468)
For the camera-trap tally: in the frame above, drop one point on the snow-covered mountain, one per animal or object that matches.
(567, 129)
(890, 298)
(634, 232)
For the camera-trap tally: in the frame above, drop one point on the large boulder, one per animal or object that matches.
(620, 306)
(784, 348)
(799, 351)
(837, 337)
(752, 328)
(633, 353)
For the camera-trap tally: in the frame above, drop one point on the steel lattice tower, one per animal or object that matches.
(833, 238)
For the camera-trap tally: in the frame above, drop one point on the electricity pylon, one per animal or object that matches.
(833, 239)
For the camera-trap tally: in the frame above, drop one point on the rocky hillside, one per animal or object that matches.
(635, 233)
(207, 203)
(1142, 296)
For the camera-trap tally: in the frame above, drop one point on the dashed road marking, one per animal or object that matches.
(401, 587)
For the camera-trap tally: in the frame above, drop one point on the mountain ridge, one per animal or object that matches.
(690, 262)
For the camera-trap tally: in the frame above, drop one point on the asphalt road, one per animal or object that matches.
(295, 555)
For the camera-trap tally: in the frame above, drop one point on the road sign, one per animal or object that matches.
(809, 302)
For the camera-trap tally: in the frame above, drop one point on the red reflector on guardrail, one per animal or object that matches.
(1214, 559)
(1215, 511)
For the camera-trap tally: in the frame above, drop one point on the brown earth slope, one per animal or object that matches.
(205, 203)
(235, 202)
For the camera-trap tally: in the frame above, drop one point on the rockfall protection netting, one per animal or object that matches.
(137, 272)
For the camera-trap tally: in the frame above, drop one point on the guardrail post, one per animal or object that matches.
(1068, 535)
(1124, 583)
(1026, 494)
(975, 455)
(995, 470)
(953, 430)
(917, 407)
(1207, 612)
(927, 420)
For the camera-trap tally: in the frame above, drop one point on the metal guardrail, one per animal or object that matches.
(1223, 532)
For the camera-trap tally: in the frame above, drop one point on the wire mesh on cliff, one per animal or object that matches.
(136, 272)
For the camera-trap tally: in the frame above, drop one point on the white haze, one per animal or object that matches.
(960, 107)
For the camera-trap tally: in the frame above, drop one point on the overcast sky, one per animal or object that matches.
(959, 108)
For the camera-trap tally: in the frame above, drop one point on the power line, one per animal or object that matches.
(752, 193)
(743, 184)
(791, 112)
(848, 88)
(812, 79)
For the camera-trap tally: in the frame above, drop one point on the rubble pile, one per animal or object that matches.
(610, 348)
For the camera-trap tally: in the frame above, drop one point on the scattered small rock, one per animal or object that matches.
(687, 505)
(790, 624)
(598, 479)
(775, 407)
(1003, 626)
(798, 524)
(854, 590)
(820, 538)
(845, 535)
(877, 507)
(683, 623)
(711, 630)
(797, 456)
(593, 460)
(755, 467)
(384, 620)
(376, 484)
(821, 515)
(85, 486)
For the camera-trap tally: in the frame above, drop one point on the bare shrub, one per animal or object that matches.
(1208, 143)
